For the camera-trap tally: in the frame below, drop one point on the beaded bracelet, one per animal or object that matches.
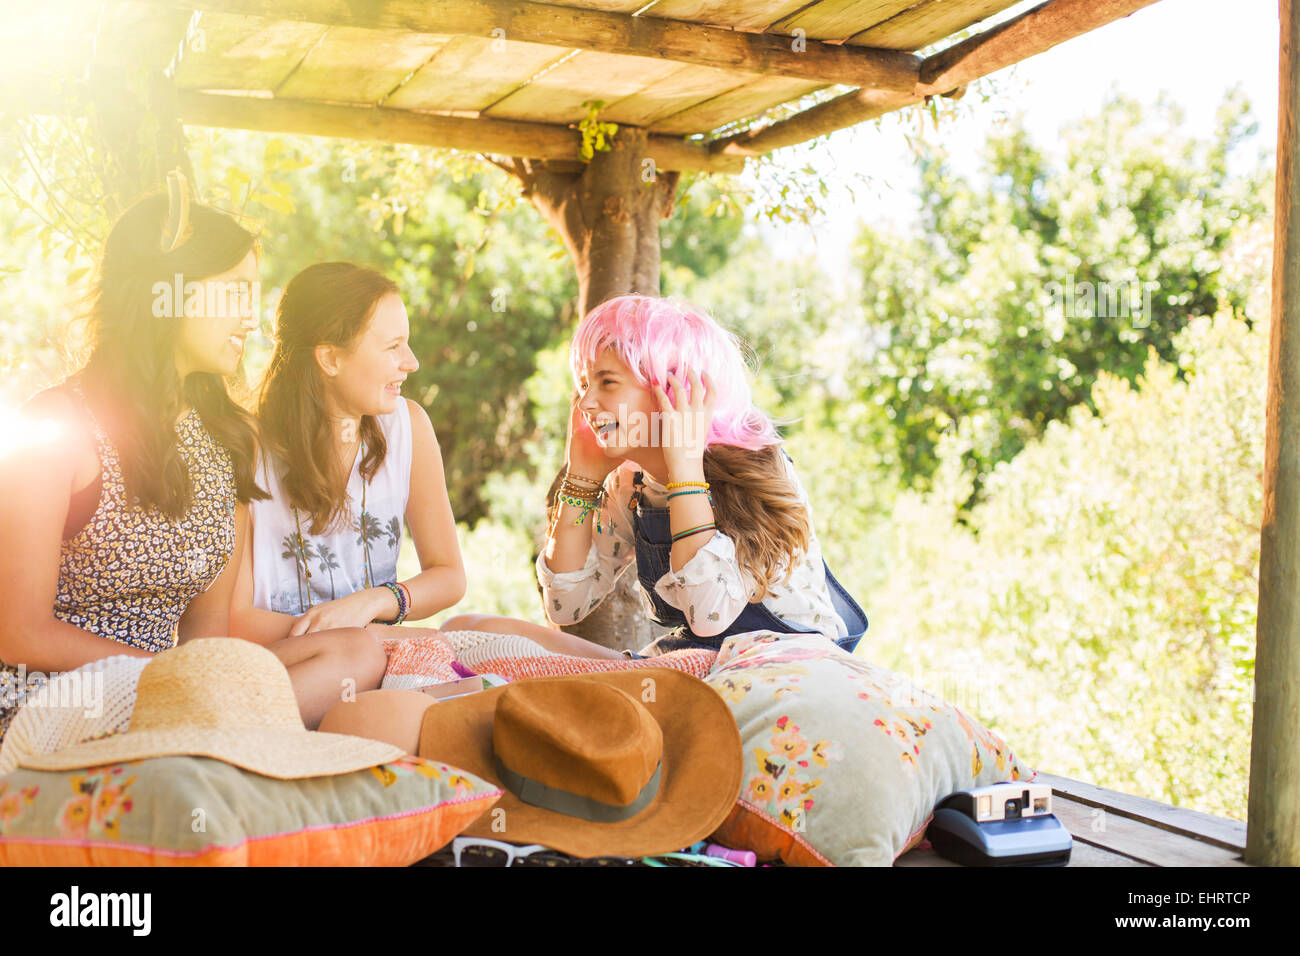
(696, 530)
(410, 601)
(574, 491)
(687, 484)
(693, 491)
(591, 481)
(402, 606)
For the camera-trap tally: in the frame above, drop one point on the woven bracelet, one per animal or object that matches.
(690, 531)
(583, 507)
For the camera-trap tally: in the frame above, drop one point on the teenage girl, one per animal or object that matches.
(672, 469)
(346, 460)
(119, 519)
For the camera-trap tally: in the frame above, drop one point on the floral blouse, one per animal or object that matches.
(712, 580)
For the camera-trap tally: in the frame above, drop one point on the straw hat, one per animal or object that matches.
(626, 763)
(225, 698)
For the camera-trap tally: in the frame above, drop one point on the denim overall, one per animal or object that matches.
(653, 544)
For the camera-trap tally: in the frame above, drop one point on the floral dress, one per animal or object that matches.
(130, 572)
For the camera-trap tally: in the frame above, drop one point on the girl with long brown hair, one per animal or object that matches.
(347, 460)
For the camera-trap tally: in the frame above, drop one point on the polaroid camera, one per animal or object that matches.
(1004, 824)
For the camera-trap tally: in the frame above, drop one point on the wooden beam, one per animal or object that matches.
(1029, 34)
(1273, 811)
(604, 32)
(847, 110)
(483, 135)
(946, 73)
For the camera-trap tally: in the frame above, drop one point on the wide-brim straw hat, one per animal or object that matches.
(622, 763)
(225, 698)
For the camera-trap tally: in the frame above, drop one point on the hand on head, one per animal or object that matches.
(584, 457)
(685, 417)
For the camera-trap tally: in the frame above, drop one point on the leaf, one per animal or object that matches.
(75, 275)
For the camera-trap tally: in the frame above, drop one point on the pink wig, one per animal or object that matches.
(653, 337)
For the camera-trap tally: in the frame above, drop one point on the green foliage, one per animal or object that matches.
(597, 135)
(1099, 605)
(1021, 291)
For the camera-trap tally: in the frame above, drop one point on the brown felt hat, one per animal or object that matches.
(622, 763)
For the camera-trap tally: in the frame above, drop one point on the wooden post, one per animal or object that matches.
(607, 212)
(1273, 815)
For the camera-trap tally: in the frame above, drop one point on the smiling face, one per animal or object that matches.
(620, 410)
(219, 313)
(366, 379)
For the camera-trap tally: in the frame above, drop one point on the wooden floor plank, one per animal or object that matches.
(1220, 831)
(1137, 839)
(1081, 854)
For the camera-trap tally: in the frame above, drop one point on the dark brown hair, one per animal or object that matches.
(329, 303)
(131, 377)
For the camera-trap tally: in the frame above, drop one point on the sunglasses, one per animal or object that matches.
(481, 852)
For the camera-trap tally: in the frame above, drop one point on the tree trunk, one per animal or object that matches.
(607, 212)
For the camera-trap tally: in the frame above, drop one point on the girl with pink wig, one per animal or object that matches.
(671, 468)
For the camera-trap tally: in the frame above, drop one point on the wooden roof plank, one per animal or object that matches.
(244, 53)
(685, 88)
(597, 31)
(350, 64)
(928, 22)
(752, 15)
(471, 73)
(744, 101)
(839, 19)
(557, 95)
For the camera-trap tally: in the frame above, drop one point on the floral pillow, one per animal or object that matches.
(844, 761)
(197, 811)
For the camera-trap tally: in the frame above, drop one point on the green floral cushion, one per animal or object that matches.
(844, 761)
(197, 811)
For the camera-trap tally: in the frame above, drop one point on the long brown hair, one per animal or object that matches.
(131, 374)
(757, 506)
(329, 303)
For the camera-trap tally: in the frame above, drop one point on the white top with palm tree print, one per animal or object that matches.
(294, 569)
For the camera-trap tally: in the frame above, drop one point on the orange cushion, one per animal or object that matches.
(196, 811)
